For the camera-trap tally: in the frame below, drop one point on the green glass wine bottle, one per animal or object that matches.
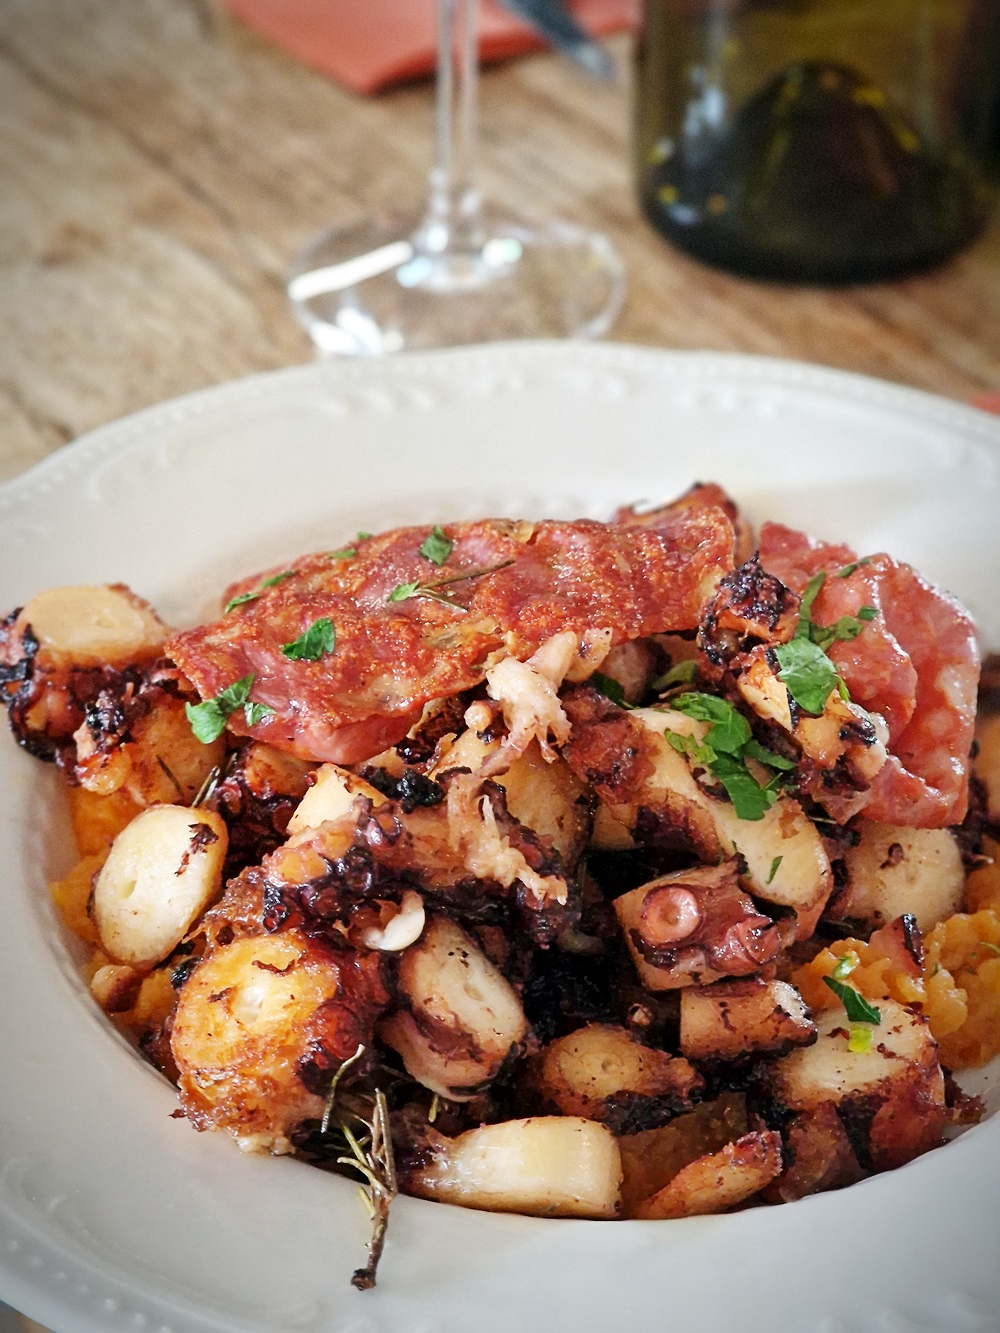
(811, 140)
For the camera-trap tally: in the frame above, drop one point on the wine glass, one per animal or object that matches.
(455, 271)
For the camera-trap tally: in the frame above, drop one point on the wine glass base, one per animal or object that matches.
(380, 286)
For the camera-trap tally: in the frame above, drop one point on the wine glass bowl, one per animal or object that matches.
(456, 270)
(380, 287)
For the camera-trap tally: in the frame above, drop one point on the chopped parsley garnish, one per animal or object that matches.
(208, 719)
(316, 642)
(345, 553)
(610, 688)
(728, 744)
(255, 713)
(805, 669)
(775, 864)
(436, 546)
(808, 674)
(681, 673)
(404, 591)
(245, 597)
(858, 1009)
(848, 570)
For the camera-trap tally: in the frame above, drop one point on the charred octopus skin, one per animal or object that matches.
(409, 630)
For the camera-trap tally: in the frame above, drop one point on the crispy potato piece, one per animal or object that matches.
(93, 625)
(163, 870)
(544, 1166)
(333, 792)
(891, 1092)
(731, 1019)
(263, 1022)
(720, 1181)
(604, 1073)
(543, 794)
(651, 1158)
(893, 870)
(160, 762)
(819, 1157)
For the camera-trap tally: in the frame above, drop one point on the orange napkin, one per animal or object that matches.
(367, 44)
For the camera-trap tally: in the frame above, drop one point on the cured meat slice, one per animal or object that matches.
(916, 664)
(408, 627)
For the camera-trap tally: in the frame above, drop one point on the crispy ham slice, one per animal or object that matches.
(409, 630)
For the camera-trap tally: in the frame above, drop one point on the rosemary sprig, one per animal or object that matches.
(404, 591)
(371, 1156)
(214, 779)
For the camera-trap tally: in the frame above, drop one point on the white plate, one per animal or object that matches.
(113, 1216)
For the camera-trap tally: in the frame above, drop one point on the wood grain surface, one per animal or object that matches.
(160, 165)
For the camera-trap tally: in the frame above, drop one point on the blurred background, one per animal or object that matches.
(162, 161)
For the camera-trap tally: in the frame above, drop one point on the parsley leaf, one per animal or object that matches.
(809, 595)
(404, 591)
(750, 800)
(318, 640)
(610, 688)
(729, 732)
(844, 629)
(208, 719)
(807, 672)
(345, 553)
(681, 673)
(436, 546)
(848, 570)
(858, 1008)
(754, 750)
(727, 746)
(245, 597)
(774, 868)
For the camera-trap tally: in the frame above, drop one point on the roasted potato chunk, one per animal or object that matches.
(260, 1028)
(93, 625)
(720, 1181)
(890, 1091)
(733, 1019)
(545, 1166)
(603, 1073)
(892, 871)
(163, 870)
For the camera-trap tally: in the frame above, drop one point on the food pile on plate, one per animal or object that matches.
(632, 869)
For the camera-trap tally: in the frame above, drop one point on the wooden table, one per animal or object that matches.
(161, 164)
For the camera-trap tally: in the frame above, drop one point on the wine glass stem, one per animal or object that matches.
(454, 205)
